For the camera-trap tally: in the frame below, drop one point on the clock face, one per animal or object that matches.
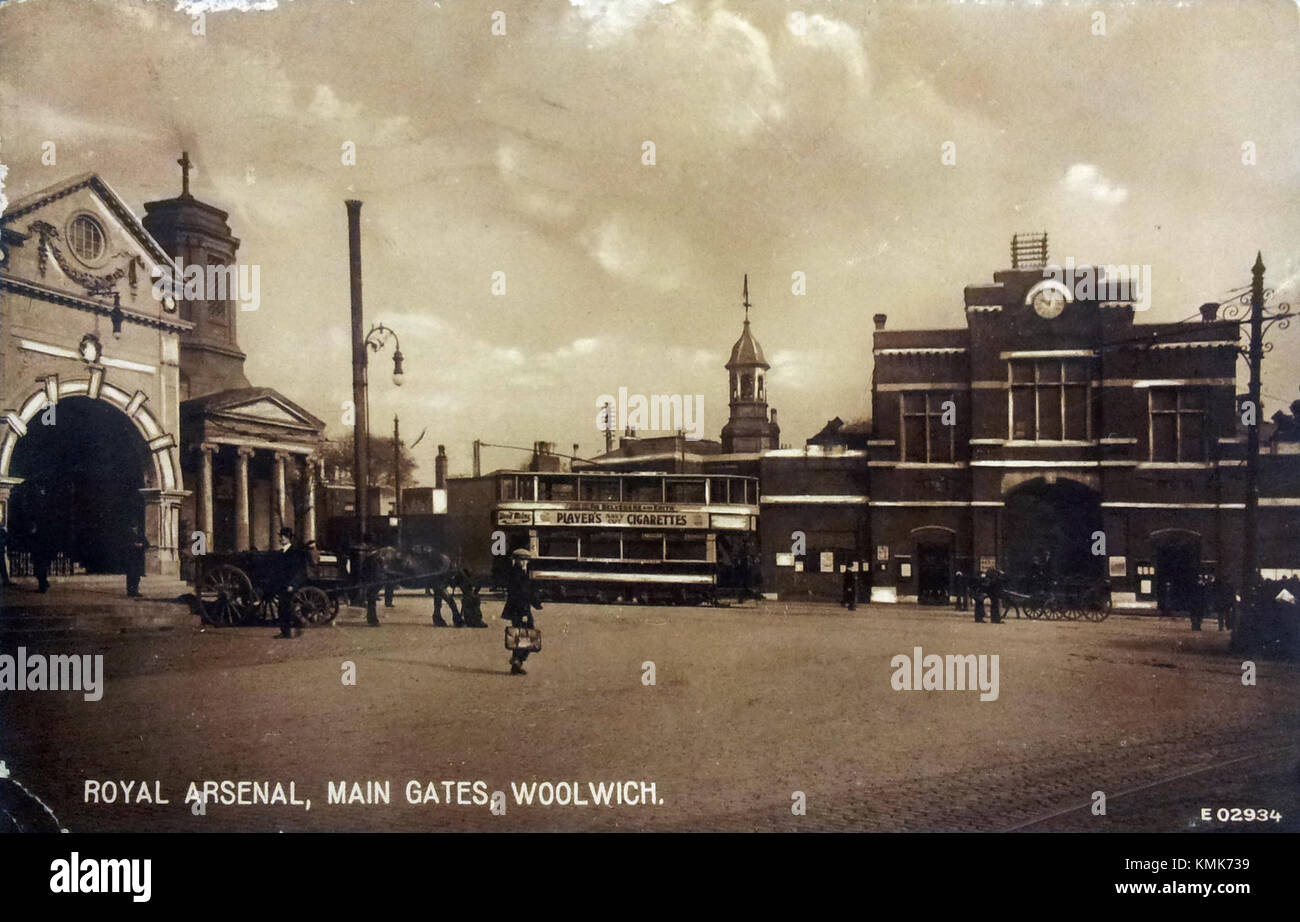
(1049, 299)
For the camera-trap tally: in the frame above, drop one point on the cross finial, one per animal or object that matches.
(746, 298)
(185, 172)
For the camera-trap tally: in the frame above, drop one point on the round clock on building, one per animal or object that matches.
(1048, 299)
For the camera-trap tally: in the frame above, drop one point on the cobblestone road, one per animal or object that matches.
(749, 705)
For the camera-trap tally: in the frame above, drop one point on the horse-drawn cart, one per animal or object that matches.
(1065, 600)
(241, 588)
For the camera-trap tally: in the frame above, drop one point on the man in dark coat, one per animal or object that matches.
(38, 543)
(4, 556)
(290, 576)
(135, 548)
(995, 595)
(979, 590)
(520, 602)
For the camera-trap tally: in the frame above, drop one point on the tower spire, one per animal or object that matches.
(746, 298)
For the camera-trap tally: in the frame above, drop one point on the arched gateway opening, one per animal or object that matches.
(81, 482)
(1047, 532)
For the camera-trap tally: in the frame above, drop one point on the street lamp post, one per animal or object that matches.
(1260, 322)
(373, 341)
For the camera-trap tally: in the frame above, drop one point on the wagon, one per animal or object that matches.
(240, 588)
(1066, 600)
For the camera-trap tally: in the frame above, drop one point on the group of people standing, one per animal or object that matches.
(984, 589)
(42, 553)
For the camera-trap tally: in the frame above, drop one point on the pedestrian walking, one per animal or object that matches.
(520, 602)
(136, 545)
(848, 590)
(979, 591)
(960, 584)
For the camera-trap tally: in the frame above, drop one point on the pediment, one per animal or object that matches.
(121, 256)
(268, 410)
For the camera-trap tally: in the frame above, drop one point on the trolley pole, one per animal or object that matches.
(361, 422)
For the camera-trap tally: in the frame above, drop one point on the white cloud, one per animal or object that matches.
(1087, 179)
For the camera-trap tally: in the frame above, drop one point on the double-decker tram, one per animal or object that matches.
(632, 537)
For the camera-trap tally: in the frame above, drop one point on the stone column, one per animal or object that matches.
(309, 512)
(243, 525)
(206, 451)
(277, 497)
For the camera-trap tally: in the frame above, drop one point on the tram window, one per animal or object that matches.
(557, 488)
(718, 490)
(527, 487)
(599, 489)
(643, 490)
(686, 491)
(643, 546)
(507, 488)
(558, 544)
(686, 547)
(602, 544)
(751, 492)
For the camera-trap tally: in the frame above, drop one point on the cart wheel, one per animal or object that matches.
(312, 605)
(226, 596)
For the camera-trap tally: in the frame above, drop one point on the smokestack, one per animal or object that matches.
(477, 458)
(440, 469)
(879, 321)
(361, 429)
(609, 429)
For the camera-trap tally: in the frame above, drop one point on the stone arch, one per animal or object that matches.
(164, 473)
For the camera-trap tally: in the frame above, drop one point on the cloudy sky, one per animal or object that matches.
(801, 136)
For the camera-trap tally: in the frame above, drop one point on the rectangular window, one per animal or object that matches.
(926, 438)
(558, 544)
(686, 491)
(507, 488)
(686, 547)
(643, 490)
(718, 490)
(601, 544)
(643, 546)
(1178, 429)
(1051, 399)
(599, 489)
(557, 488)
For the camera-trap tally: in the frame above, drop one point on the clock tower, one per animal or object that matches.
(749, 428)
